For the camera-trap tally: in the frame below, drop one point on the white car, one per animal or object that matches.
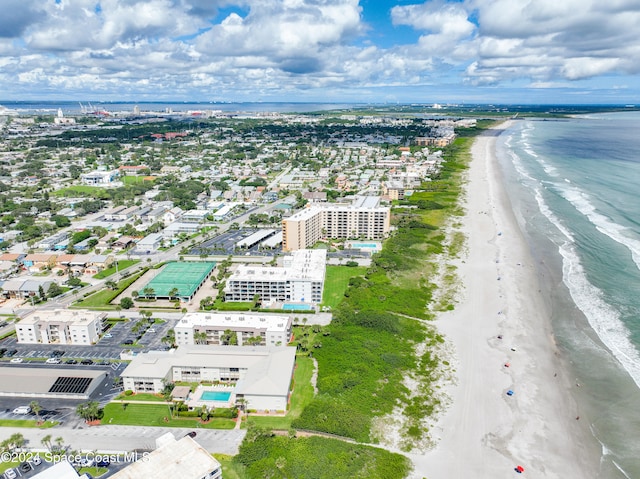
(16, 360)
(22, 410)
(151, 330)
(10, 474)
(107, 335)
(86, 462)
(53, 361)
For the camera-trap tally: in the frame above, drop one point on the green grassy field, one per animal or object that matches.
(140, 397)
(336, 282)
(154, 415)
(230, 470)
(132, 180)
(122, 264)
(27, 423)
(301, 396)
(103, 298)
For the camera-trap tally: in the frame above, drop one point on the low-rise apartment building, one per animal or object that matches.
(249, 329)
(259, 375)
(183, 458)
(60, 326)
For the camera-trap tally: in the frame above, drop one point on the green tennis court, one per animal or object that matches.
(187, 277)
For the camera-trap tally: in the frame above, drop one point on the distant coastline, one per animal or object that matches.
(35, 107)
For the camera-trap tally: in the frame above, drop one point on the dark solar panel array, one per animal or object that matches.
(70, 385)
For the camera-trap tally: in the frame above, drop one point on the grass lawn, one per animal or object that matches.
(233, 305)
(132, 180)
(301, 396)
(336, 282)
(154, 415)
(230, 470)
(122, 264)
(4, 465)
(103, 298)
(141, 397)
(93, 471)
(27, 423)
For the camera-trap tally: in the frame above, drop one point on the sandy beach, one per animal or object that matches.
(503, 318)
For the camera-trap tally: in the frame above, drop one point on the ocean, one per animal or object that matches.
(574, 187)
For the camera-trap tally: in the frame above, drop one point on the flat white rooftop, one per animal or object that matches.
(300, 265)
(184, 459)
(235, 320)
(76, 316)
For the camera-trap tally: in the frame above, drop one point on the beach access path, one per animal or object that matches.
(502, 318)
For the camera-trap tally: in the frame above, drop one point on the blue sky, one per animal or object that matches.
(466, 51)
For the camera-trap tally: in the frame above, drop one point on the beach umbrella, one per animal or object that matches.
(520, 469)
(509, 392)
(506, 365)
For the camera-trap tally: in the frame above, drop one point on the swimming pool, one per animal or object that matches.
(296, 307)
(215, 396)
(364, 245)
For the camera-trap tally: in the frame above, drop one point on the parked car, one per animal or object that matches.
(10, 473)
(25, 467)
(36, 460)
(191, 434)
(86, 361)
(104, 363)
(86, 462)
(22, 410)
(57, 353)
(151, 330)
(127, 341)
(107, 335)
(2, 351)
(53, 361)
(103, 463)
(16, 360)
(11, 352)
(71, 361)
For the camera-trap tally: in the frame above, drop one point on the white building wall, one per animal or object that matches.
(272, 403)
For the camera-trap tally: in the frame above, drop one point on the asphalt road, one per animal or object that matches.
(107, 438)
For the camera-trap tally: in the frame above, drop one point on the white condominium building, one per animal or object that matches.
(183, 458)
(60, 326)
(365, 218)
(250, 329)
(299, 280)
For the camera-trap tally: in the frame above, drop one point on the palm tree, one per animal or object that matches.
(46, 441)
(200, 337)
(59, 441)
(36, 408)
(16, 441)
(170, 338)
(148, 291)
(173, 293)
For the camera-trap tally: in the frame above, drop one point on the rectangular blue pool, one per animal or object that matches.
(364, 245)
(215, 396)
(296, 307)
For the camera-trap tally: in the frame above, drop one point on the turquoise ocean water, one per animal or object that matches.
(575, 189)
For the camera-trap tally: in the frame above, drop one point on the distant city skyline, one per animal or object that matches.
(367, 51)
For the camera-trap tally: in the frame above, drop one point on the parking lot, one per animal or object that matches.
(109, 347)
(225, 245)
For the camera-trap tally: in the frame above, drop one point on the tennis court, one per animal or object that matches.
(187, 277)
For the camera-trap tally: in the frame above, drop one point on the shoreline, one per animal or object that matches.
(485, 432)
